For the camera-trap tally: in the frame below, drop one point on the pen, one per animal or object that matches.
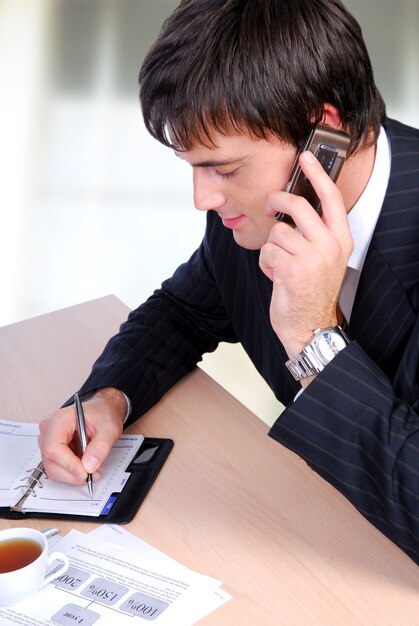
(83, 439)
(50, 532)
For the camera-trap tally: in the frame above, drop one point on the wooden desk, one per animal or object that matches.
(229, 502)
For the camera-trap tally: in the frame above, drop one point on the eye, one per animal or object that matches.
(225, 175)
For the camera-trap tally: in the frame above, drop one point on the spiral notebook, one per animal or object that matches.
(26, 491)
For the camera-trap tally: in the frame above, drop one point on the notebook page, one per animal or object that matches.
(55, 497)
(18, 451)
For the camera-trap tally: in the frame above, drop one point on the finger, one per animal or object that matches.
(285, 243)
(332, 232)
(58, 473)
(289, 240)
(272, 257)
(334, 210)
(56, 442)
(101, 443)
(275, 203)
(297, 207)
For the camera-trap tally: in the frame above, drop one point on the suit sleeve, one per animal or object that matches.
(165, 337)
(360, 432)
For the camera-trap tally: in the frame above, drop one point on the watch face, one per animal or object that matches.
(329, 343)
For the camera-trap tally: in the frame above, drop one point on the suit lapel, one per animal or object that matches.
(383, 312)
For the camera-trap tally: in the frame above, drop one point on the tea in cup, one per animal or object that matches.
(24, 561)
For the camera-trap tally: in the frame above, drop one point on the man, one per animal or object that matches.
(234, 87)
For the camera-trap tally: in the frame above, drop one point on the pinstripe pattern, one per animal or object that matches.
(356, 424)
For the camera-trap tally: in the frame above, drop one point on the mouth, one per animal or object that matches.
(232, 222)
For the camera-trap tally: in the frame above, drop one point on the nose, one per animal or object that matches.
(208, 196)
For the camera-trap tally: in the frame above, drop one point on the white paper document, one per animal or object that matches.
(18, 448)
(113, 577)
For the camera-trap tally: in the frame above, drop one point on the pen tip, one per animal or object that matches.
(90, 485)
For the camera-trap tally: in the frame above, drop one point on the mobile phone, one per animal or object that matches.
(330, 146)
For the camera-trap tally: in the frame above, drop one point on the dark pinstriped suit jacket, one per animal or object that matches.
(357, 424)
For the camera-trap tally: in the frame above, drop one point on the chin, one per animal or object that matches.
(250, 241)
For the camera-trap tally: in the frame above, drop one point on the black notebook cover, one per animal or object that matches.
(144, 469)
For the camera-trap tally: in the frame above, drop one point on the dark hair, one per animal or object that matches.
(259, 67)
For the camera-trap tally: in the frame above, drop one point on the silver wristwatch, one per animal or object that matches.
(324, 346)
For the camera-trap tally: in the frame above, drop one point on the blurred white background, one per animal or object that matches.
(90, 204)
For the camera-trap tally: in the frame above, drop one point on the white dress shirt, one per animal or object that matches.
(362, 219)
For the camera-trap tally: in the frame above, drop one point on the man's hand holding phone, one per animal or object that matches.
(330, 146)
(307, 265)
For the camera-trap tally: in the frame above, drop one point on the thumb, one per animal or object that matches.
(94, 457)
(100, 446)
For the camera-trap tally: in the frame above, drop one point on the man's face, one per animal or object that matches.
(235, 178)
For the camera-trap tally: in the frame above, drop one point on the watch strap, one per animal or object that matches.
(308, 361)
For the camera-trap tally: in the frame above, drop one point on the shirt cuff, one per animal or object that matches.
(296, 395)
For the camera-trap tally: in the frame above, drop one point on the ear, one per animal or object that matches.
(331, 116)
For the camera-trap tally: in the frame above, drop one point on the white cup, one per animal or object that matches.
(21, 583)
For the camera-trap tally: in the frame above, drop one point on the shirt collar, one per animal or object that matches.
(364, 215)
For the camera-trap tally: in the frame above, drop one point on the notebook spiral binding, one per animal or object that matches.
(32, 481)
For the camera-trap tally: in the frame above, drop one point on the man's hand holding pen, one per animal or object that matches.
(59, 437)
